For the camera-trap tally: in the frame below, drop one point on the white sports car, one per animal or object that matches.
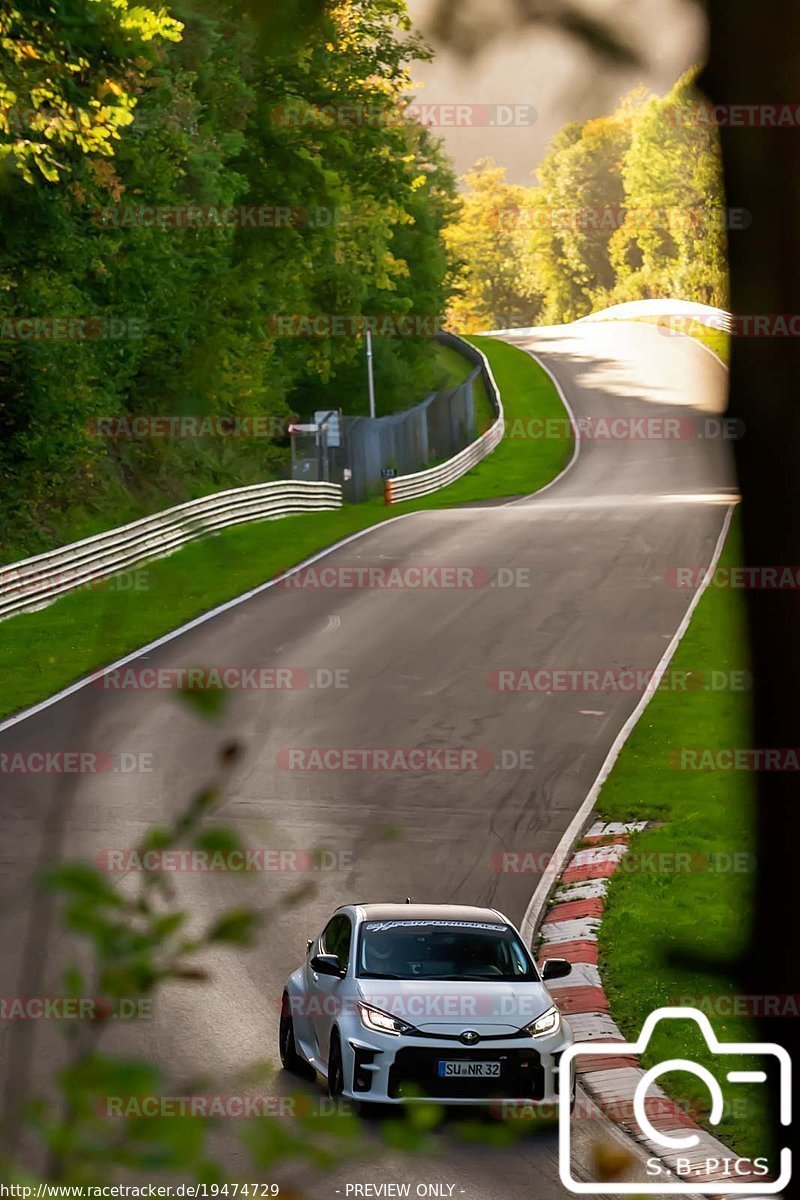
(396, 1002)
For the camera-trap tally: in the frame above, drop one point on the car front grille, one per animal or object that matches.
(415, 1073)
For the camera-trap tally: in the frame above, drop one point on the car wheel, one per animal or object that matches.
(335, 1068)
(287, 1046)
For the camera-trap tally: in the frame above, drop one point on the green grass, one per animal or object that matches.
(716, 339)
(44, 651)
(663, 927)
(452, 369)
(136, 479)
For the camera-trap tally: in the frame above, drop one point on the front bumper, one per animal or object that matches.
(398, 1070)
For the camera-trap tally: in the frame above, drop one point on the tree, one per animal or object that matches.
(574, 213)
(625, 207)
(672, 241)
(153, 231)
(485, 242)
(71, 79)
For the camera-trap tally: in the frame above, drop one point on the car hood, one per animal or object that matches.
(451, 1007)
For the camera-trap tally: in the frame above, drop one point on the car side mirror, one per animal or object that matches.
(326, 964)
(556, 968)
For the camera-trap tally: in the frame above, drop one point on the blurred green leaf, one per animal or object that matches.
(85, 882)
(236, 927)
(207, 702)
(218, 840)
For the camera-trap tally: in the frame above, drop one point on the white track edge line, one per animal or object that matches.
(79, 684)
(695, 340)
(576, 826)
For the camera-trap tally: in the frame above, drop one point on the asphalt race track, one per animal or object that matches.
(577, 578)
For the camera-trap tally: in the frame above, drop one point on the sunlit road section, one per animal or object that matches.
(580, 578)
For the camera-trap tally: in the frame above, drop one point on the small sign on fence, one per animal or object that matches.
(389, 473)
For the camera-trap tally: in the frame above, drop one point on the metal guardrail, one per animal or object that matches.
(35, 582)
(420, 483)
(670, 311)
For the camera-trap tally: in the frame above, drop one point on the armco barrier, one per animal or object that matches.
(669, 310)
(409, 487)
(34, 582)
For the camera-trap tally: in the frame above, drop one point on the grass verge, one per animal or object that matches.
(673, 924)
(136, 477)
(44, 651)
(716, 340)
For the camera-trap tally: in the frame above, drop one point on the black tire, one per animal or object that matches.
(335, 1067)
(290, 1059)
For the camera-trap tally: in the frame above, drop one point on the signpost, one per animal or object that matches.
(370, 376)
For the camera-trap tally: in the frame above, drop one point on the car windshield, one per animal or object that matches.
(442, 950)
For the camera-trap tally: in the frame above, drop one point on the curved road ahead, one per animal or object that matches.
(586, 561)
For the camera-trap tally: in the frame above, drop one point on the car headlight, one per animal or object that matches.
(546, 1024)
(382, 1022)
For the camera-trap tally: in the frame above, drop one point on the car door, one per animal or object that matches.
(326, 991)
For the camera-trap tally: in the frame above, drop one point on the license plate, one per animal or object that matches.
(470, 1070)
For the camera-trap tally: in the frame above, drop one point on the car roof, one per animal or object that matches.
(429, 912)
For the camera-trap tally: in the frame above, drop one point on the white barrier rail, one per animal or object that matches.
(35, 582)
(420, 483)
(633, 310)
(670, 310)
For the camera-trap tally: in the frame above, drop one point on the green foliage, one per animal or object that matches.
(654, 949)
(672, 167)
(485, 244)
(626, 207)
(105, 1115)
(231, 116)
(70, 79)
(572, 216)
(43, 651)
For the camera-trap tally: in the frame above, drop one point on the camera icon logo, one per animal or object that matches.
(681, 1151)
